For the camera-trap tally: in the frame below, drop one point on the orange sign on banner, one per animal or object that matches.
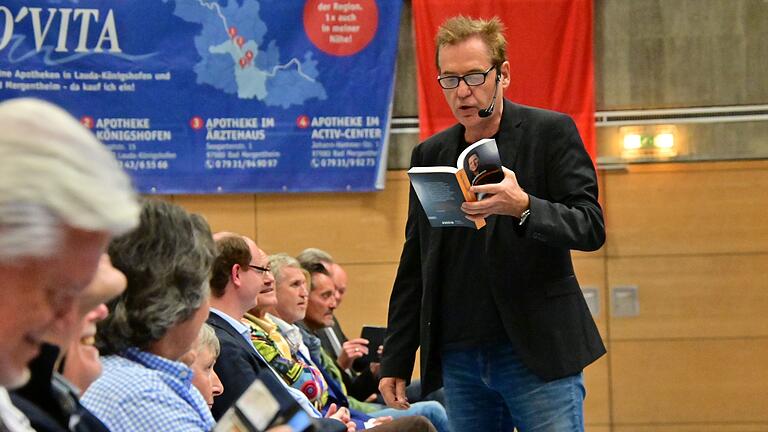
(549, 48)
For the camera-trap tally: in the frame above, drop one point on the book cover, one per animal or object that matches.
(375, 336)
(442, 190)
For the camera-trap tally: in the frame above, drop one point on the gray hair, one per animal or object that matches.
(314, 256)
(55, 173)
(167, 261)
(207, 339)
(281, 260)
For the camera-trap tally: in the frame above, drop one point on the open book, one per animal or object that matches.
(442, 190)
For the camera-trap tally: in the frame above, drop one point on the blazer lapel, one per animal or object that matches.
(447, 153)
(449, 149)
(508, 143)
(217, 321)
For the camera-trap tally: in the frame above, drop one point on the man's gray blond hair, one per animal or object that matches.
(460, 28)
(55, 173)
(314, 256)
(207, 339)
(279, 261)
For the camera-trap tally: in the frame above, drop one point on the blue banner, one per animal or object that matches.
(216, 96)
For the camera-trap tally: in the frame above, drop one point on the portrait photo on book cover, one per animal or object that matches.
(482, 166)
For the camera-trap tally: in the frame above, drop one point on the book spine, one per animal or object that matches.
(469, 196)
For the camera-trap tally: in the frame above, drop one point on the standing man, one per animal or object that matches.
(62, 196)
(498, 312)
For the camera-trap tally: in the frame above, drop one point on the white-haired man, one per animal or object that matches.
(62, 197)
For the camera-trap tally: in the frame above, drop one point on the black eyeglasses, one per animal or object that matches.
(260, 269)
(471, 79)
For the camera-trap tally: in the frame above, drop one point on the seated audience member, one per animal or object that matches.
(50, 399)
(240, 271)
(62, 196)
(144, 387)
(319, 313)
(360, 376)
(201, 359)
(273, 347)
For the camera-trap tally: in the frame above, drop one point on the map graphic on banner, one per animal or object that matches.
(296, 79)
(216, 96)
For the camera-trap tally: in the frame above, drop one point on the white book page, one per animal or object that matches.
(463, 155)
(432, 169)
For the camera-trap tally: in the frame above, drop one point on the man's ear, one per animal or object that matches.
(234, 274)
(506, 76)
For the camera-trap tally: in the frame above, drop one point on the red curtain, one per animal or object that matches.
(549, 48)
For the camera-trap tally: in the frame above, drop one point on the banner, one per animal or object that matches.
(549, 49)
(216, 96)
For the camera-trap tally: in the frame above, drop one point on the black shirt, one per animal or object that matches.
(468, 312)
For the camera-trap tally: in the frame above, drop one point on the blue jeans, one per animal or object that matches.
(489, 389)
(433, 411)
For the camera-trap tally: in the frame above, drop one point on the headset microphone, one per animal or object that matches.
(486, 112)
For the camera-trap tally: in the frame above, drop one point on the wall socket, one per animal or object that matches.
(625, 301)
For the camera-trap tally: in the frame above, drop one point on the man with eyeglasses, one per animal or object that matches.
(240, 273)
(498, 312)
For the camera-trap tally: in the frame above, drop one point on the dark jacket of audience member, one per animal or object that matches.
(50, 403)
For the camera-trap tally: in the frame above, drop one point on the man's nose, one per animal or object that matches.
(100, 312)
(463, 89)
(217, 386)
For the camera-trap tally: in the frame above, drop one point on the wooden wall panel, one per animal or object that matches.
(691, 381)
(367, 297)
(353, 227)
(687, 209)
(693, 296)
(597, 402)
(235, 213)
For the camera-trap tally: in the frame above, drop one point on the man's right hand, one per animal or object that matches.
(351, 350)
(393, 391)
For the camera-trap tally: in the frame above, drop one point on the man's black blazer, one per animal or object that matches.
(237, 367)
(532, 279)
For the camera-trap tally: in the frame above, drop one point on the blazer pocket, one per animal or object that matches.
(565, 286)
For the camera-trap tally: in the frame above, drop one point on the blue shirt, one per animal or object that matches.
(139, 391)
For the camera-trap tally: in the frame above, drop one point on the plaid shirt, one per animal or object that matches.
(139, 391)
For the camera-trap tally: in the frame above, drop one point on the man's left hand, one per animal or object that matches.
(503, 198)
